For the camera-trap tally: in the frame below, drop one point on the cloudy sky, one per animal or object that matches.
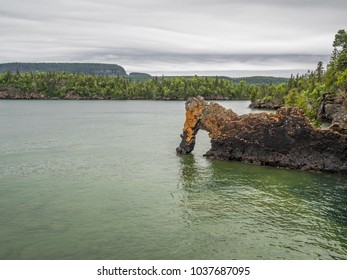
(209, 37)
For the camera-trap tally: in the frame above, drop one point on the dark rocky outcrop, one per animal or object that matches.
(265, 105)
(285, 139)
(334, 109)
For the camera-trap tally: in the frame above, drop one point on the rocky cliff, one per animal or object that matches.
(285, 139)
(334, 109)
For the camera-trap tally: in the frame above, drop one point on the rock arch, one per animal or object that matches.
(285, 139)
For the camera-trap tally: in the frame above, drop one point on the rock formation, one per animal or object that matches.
(266, 105)
(334, 109)
(285, 139)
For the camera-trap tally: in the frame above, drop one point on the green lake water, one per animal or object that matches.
(102, 180)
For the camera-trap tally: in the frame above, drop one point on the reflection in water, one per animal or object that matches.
(204, 198)
(275, 212)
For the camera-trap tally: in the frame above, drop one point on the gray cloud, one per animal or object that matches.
(172, 36)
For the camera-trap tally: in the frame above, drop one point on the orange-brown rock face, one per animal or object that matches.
(191, 125)
(285, 139)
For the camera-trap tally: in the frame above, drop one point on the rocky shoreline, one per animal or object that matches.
(11, 94)
(35, 95)
(286, 139)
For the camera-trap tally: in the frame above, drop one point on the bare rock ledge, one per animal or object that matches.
(285, 139)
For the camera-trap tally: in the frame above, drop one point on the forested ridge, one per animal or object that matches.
(115, 70)
(86, 68)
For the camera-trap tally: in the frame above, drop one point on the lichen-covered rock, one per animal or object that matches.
(285, 139)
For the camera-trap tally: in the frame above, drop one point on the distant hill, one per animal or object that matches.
(116, 70)
(87, 68)
(139, 76)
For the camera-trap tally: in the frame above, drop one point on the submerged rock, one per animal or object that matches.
(285, 139)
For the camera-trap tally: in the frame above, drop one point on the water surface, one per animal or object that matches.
(101, 180)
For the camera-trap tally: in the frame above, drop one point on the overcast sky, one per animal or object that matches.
(209, 37)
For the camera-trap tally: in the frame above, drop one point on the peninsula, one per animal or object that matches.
(284, 139)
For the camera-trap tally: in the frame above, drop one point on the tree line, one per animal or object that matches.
(62, 85)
